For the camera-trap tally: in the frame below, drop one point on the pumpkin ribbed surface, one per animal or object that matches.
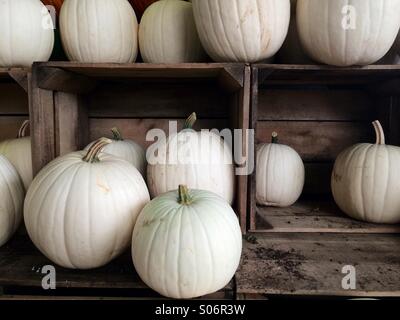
(187, 250)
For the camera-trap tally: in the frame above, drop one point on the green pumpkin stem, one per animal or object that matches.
(190, 121)
(184, 197)
(274, 138)
(96, 148)
(22, 130)
(380, 135)
(117, 134)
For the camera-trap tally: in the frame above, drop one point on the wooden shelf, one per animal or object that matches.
(314, 216)
(20, 271)
(311, 265)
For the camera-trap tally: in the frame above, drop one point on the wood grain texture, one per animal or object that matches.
(314, 140)
(314, 216)
(311, 264)
(9, 126)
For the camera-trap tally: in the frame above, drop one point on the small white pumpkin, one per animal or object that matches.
(200, 160)
(126, 149)
(343, 33)
(280, 174)
(19, 153)
(366, 181)
(187, 244)
(167, 33)
(241, 30)
(26, 33)
(99, 31)
(81, 208)
(11, 200)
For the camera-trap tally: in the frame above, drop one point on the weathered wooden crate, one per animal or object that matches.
(73, 104)
(319, 111)
(14, 102)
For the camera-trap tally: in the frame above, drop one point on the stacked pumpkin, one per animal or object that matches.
(85, 208)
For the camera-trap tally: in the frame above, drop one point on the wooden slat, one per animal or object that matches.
(13, 100)
(136, 129)
(20, 76)
(311, 264)
(124, 100)
(21, 263)
(316, 105)
(9, 126)
(316, 141)
(314, 216)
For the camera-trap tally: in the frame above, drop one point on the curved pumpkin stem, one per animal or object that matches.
(184, 197)
(190, 121)
(22, 130)
(380, 135)
(92, 155)
(274, 138)
(117, 134)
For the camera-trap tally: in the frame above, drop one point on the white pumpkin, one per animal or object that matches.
(19, 153)
(99, 31)
(200, 160)
(366, 181)
(167, 33)
(241, 30)
(343, 33)
(279, 176)
(11, 200)
(26, 33)
(81, 208)
(393, 56)
(126, 149)
(187, 244)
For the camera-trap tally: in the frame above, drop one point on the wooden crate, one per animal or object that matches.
(14, 102)
(319, 111)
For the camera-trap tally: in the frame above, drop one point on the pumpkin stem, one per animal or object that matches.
(92, 155)
(184, 197)
(117, 134)
(22, 130)
(190, 121)
(274, 138)
(380, 135)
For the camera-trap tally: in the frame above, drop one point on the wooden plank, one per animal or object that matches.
(137, 129)
(311, 264)
(315, 105)
(161, 100)
(314, 216)
(42, 127)
(20, 76)
(316, 141)
(9, 126)
(71, 123)
(21, 264)
(13, 100)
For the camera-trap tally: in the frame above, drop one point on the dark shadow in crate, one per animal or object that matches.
(14, 102)
(73, 104)
(320, 111)
(21, 277)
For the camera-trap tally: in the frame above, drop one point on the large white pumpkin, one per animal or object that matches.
(81, 208)
(241, 30)
(345, 33)
(366, 181)
(126, 149)
(26, 33)
(19, 153)
(200, 160)
(99, 31)
(279, 174)
(187, 244)
(167, 33)
(11, 200)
